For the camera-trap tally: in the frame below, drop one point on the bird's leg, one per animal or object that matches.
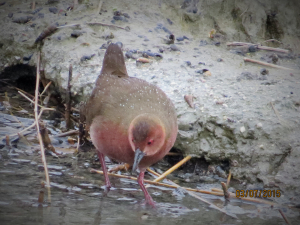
(107, 182)
(148, 197)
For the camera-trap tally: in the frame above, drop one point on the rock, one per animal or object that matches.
(120, 18)
(264, 71)
(259, 125)
(169, 21)
(120, 44)
(203, 42)
(117, 13)
(21, 160)
(126, 15)
(76, 33)
(220, 60)
(174, 48)
(246, 76)
(170, 39)
(180, 39)
(252, 48)
(54, 10)
(242, 129)
(201, 71)
(22, 19)
(27, 57)
(86, 57)
(188, 63)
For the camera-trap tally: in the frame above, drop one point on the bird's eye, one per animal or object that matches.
(150, 142)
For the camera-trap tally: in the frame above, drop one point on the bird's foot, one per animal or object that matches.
(149, 202)
(117, 168)
(106, 189)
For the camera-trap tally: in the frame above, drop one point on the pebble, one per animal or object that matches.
(117, 13)
(10, 15)
(217, 43)
(76, 33)
(180, 39)
(174, 47)
(259, 125)
(203, 42)
(36, 10)
(169, 21)
(41, 15)
(146, 39)
(246, 76)
(50, 167)
(129, 55)
(201, 71)
(126, 15)
(59, 186)
(55, 173)
(86, 57)
(53, 10)
(220, 60)
(201, 63)
(146, 54)
(188, 63)
(264, 71)
(234, 163)
(161, 50)
(242, 129)
(120, 44)
(22, 19)
(252, 48)
(120, 18)
(21, 160)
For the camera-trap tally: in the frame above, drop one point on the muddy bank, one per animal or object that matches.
(242, 117)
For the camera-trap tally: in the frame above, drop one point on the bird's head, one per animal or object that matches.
(146, 136)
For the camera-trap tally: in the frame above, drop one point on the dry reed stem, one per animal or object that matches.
(68, 133)
(37, 124)
(256, 200)
(273, 49)
(70, 25)
(156, 183)
(45, 88)
(266, 64)
(191, 193)
(99, 7)
(175, 167)
(33, 5)
(284, 217)
(107, 25)
(228, 179)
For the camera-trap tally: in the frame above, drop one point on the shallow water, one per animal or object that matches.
(77, 196)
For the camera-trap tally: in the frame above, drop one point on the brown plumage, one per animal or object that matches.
(129, 119)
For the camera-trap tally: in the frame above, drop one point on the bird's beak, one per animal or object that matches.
(137, 158)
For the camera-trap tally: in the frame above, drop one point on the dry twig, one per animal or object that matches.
(284, 217)
(266, 64)
(228, 179)
(194, 195)
(106, 25)
(226, 193)
(175, 167)
(68, 99)
(99, 7)
(37, 124)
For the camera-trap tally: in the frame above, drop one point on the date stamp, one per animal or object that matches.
(258, 193)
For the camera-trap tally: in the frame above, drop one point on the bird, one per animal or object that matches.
(129, 119)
